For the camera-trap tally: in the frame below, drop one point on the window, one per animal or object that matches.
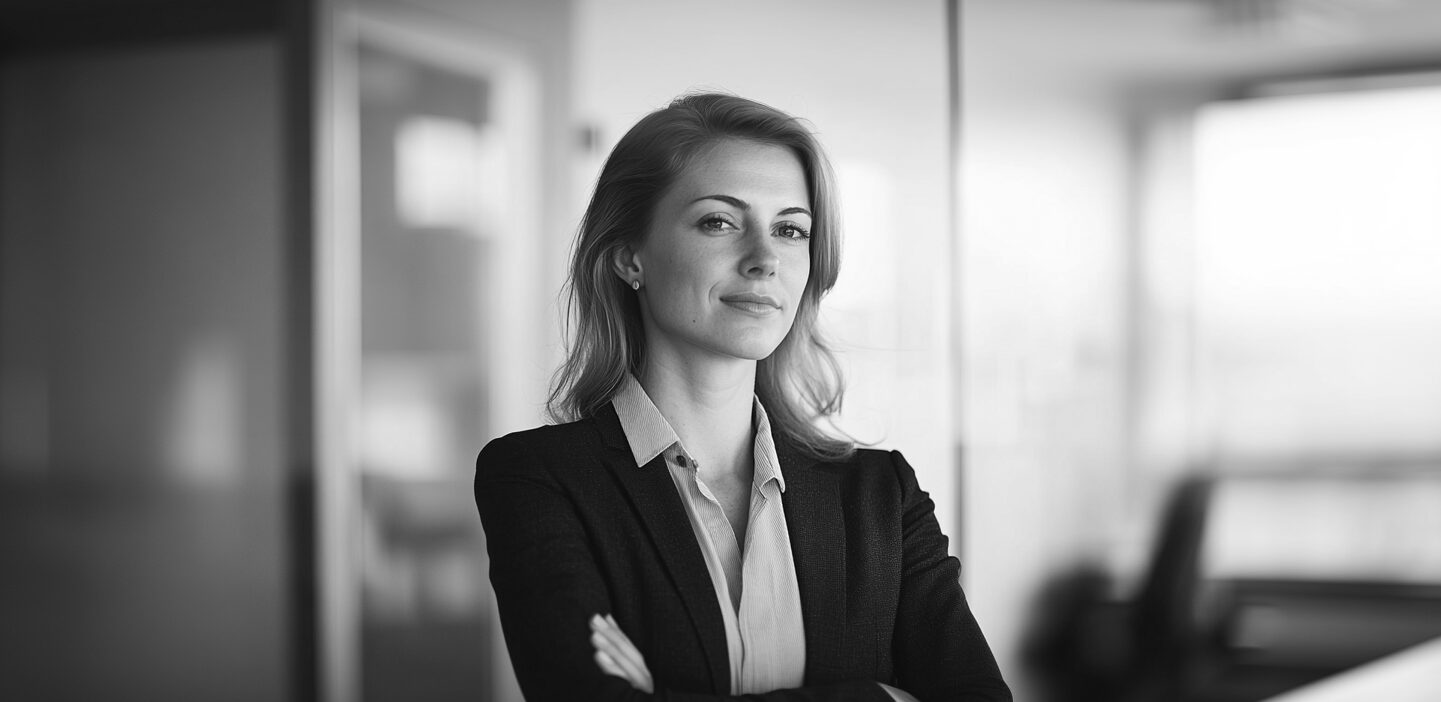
(1317, 275)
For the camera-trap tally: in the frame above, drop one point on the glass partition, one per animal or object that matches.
(434, 166)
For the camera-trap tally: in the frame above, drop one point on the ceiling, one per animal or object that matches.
(1148, 41)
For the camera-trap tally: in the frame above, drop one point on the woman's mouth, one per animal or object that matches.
(752, 303)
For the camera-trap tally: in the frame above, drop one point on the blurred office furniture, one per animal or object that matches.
(1259, 584)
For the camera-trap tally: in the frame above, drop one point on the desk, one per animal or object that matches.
(1412, 675)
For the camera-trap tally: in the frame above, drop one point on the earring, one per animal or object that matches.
(635, 285)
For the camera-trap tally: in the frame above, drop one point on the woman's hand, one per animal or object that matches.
(616, 655)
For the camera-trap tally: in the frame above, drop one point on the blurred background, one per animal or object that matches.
(1146, 290)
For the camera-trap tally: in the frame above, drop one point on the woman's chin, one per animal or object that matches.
(738, 348)
(747, 343)
(755, 352)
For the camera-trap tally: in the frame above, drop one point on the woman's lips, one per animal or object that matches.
(752, 303)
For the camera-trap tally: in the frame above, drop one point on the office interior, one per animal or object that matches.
(1145, 290)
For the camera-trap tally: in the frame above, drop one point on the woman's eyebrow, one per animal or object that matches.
(727, 199)
(745, 206)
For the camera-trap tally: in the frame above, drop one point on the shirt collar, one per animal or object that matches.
(650, 435)
(768, 464)
(646, 430)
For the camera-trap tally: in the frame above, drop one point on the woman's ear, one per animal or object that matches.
(626, 264)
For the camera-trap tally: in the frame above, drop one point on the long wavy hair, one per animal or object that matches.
(800, 383)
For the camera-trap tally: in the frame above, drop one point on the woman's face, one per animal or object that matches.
(727, 256)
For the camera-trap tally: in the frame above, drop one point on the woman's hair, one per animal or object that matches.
(801, 381)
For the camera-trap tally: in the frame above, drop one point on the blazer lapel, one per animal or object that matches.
(655, 499)
(818, 544)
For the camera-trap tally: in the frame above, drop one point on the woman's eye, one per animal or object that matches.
(716, 223)
(792, 231)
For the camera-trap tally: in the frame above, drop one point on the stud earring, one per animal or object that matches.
(635, 285)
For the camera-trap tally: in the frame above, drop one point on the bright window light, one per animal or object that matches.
(1318, 279)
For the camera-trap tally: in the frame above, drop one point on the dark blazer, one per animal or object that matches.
(574, 528)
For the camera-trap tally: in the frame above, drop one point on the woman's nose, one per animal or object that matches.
(761, 258)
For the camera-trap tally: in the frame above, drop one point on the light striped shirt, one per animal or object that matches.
(755, 585)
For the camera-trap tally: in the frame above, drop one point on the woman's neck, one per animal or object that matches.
(709, 406)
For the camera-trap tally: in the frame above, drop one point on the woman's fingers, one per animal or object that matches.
(629, 650)
(606, 641)
(616, 628)
(608, 665)
(614, 632)
(617, 656)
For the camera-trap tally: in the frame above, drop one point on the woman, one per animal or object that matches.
(690, 534)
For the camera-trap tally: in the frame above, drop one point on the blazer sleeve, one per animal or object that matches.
(938, 648)
(547, 585)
